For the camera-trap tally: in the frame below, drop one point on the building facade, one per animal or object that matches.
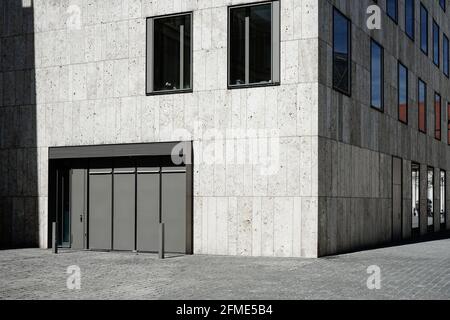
(303, 133)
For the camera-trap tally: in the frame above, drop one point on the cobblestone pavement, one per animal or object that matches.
(415, 271)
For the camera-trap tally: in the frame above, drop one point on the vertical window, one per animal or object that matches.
(423, 29)
(422, 101)
(430, 199)
(376, 75)
(436, 46)
(392, 9)
(445, 56)
(169, 54)
(409, 18)
(437, 116)
(448, 123)
(443, 198)
(341, 53)
(254, 44)
(442, 4)
(402, 93)
(415, 181)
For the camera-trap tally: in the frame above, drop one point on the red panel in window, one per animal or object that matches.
(403, 112)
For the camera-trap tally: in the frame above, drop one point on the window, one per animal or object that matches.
(448, 123)
(445, 56)
(376, 75)
(437, 116)
(169, 54)
(409, 18)
(443, 198)
(402, 93)
(442, 4)
(422, 101)
(430, 199)
(435, 43)
(415, 181)
(423, 29)
(254, 45)
(341, 53)
(392, 9)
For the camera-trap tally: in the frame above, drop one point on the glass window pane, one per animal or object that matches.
(436, 37)
(376, 76)
(260, 43)
(415, 180)
(172, 61)
(409, 18)
(402, 93)
(437, 116)
(237, 45)
(430, 197)
(423, 29)
(341, 53)
(422, 106)
(392, 9)
(443, 197)
(445, 56)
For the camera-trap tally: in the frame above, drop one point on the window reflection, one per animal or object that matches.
(415, 181)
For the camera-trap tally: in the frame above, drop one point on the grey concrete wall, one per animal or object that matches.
(18, 144)
(90, 89)
(356, 142)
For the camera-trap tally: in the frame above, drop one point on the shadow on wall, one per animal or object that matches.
(19, 222)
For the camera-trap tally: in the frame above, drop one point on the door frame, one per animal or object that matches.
(82, 155)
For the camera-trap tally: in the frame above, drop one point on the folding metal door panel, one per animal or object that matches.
(147, 207)
(173, 208)
(78, 195)
(100, 208)
(124, 209)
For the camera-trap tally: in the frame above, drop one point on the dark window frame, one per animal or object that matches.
(436, 122)
(349, 41)
(381, 109)
(395, 18)
(427, 49)
(413, 35)
(445, 61)
(443, 5)
(438, 51)
(149, 65)
(425, 105)
(276, 52)
(416, 231)
(399, 63)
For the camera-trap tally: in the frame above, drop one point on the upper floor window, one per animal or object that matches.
(392, 9)
(445, 56)
(423, 29)
(442, 4)
(402, 93)
(254, 44)
(422, 101)
(341, 53)
(437, 116)
(376, 75)
(409, 18)
(169, 54)
(436, 47)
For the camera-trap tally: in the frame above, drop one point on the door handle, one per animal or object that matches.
(81, 218)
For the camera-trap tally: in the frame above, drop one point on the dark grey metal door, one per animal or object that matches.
(78, 193)
(124, 206)
(147, 207)
(173, 208)
(100, 208)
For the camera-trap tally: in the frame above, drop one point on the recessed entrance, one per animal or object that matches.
(117, 203)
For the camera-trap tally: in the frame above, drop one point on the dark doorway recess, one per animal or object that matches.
(111, 201)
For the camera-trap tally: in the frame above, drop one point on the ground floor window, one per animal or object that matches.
(430, 198)
(443, 183)
(415, 181)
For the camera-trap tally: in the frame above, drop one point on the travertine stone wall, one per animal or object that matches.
(356, 142)
(90, 89)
